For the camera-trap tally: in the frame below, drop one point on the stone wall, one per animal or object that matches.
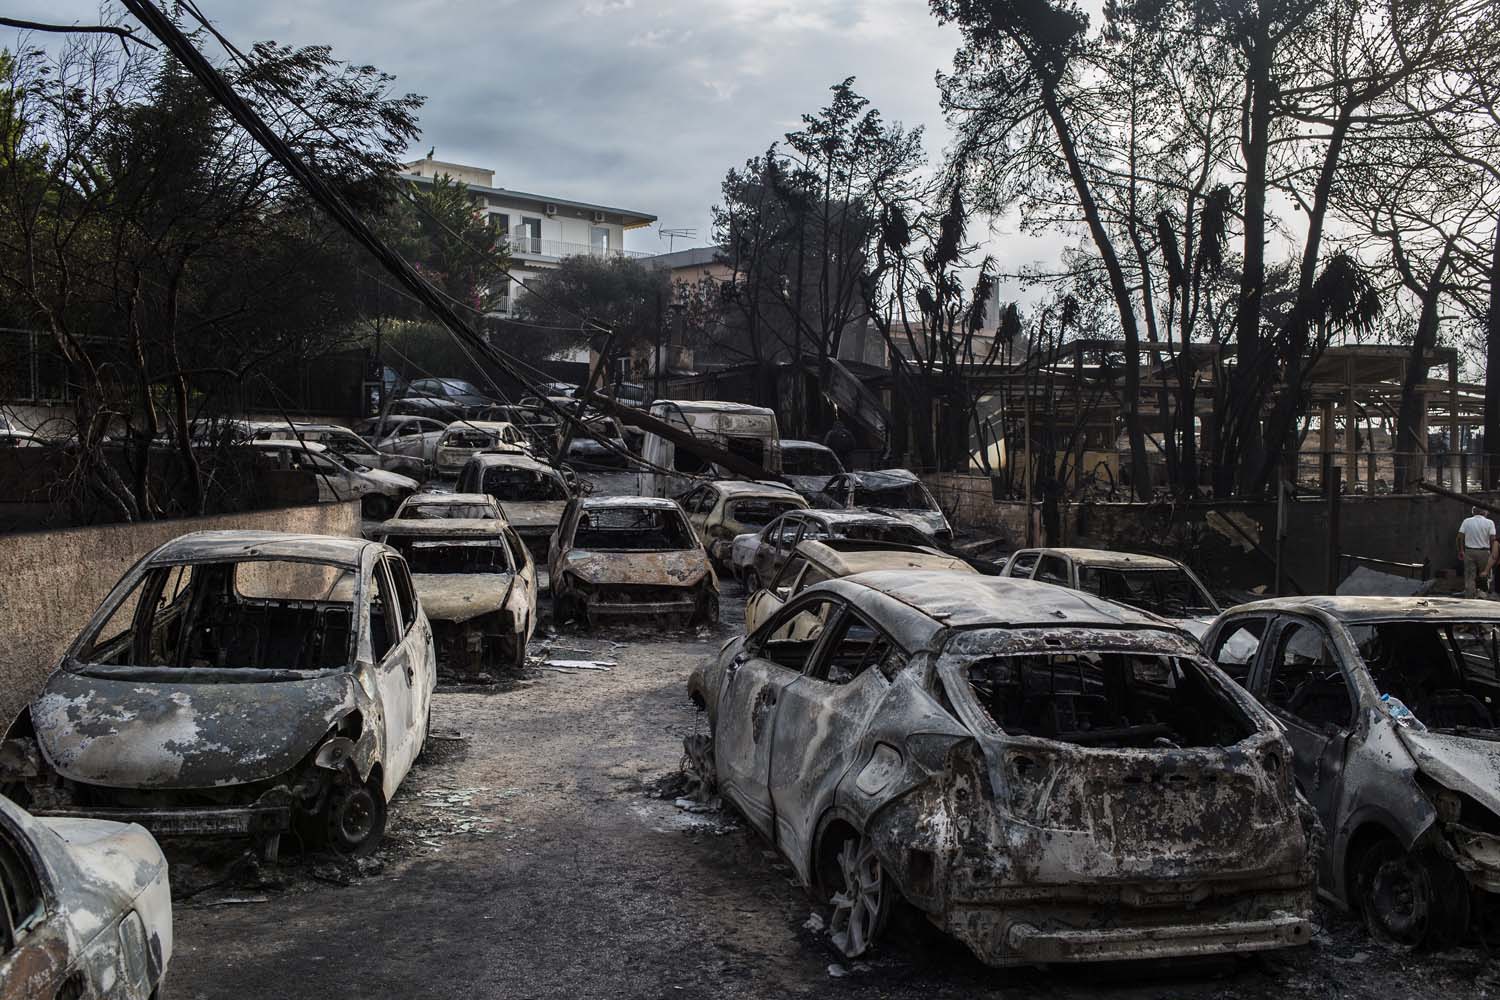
(52, 581)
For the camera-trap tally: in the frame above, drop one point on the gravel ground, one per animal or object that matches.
(537, 852)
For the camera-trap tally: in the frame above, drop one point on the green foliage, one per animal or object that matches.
(587, 295)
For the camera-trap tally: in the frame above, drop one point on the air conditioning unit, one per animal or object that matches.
(598, 217)
(550, 209)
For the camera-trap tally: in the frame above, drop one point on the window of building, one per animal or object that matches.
(501, 222)
(531, 234)
(599, 241)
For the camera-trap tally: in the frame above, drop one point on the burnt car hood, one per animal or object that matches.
(1460, 763)
(125, 733)
(457, 597)
(808, 485)
(930, 522)
(524, 514)
(673, 568)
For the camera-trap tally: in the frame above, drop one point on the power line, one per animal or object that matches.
(333, 201)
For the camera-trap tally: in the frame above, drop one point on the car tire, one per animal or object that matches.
(375, 507)
(861, 897)
(1410, 899)
(752, 582)
(515, 650)
(354, 818)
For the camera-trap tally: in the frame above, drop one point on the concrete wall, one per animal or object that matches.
(969, 503)
(51, 582)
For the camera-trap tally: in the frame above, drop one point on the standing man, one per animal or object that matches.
(1476, 548)
(840, 441)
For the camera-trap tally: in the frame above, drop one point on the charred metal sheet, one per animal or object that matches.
(1027, 848)
(676, 568)
(458, 597)
(128, 734)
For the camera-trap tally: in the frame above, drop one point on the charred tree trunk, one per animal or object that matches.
(1492, 373)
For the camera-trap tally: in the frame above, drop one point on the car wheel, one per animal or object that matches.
(1411, 899)
(354, 818)
(426, 735)
(862, 902)
(707, 612)
(375, 507)
(752, 582)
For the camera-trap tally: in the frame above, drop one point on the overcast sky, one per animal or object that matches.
(640, 104)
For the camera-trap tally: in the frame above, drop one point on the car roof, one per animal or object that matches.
(1117, 560)
(846, 558)
(1356, 610)
(655, 503)
(292, 442)
(974, 601)
(744, 488)
(852, 516)
(448, 527)
(455, 499)
(481, 425)
(884, 477)
(517, 460)
(226, 546)
(710, 406)
(800, 445)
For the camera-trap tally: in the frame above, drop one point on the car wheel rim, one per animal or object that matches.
(857, 905)
(1400, 898)
(357, 818)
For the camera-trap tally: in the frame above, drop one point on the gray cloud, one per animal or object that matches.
(643, 104)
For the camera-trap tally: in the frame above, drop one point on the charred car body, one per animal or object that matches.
(532, 494)
(234, 683)
(813, 562)
(630, 557)
(1390, 704)
(897, 492)
(85, 909)
(722, 510)
(1156, 584)
(774, 545)
(477, 586)
(1046, 776)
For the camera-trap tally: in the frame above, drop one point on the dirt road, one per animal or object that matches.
(534, 857)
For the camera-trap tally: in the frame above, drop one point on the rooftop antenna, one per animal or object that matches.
(673, 235)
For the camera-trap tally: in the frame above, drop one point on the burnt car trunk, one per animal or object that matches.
(1095, 824)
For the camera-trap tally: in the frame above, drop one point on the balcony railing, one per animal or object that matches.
(522, 245)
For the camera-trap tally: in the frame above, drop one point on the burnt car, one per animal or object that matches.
(1156, 584)
(775, 543)
(897, 492)
(531, 494)
(1045, 776)
(630, 557)
(235, 683)
(724, 509)
(85, 909)
(813, 562)
(442, 506)
(477, 586)
(808, 466)
(1390, 704)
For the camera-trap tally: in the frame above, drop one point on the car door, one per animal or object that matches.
(402, 701)
(1023, 563)
(768, 553)
(525, 571)
(34, 950)
(1302, 681)
(752, 684)
(820, 724)
(769, 599)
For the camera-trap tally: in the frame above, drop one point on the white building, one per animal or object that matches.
(541, 229)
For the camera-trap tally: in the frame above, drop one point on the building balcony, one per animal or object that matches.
(529, 247)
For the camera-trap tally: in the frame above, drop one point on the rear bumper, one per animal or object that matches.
(606, 608)
(1027, 943)
(189, 821)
